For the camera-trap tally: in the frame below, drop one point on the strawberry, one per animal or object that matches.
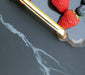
(69, 19)
(61, 5)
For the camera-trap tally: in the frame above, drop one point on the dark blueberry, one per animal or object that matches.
(81, 10)
(83, 2)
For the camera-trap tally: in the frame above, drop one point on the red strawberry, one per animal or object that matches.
(69, 19)
(61, 5)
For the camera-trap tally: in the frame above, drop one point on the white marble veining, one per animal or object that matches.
(46, 62)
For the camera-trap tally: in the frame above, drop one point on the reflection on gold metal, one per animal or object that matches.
(59, 30)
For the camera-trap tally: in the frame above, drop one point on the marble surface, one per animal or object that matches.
(29, 47)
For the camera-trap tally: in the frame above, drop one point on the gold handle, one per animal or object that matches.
(59, 30)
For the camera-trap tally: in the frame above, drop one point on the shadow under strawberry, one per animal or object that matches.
(54, 9)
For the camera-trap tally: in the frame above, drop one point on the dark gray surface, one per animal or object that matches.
(17, 59)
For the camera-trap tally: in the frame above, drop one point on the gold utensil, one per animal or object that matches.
(59, 30)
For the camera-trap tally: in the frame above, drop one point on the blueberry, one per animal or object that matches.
(83, 2)
(81, 10)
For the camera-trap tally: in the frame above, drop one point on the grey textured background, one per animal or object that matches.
(16, 58)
